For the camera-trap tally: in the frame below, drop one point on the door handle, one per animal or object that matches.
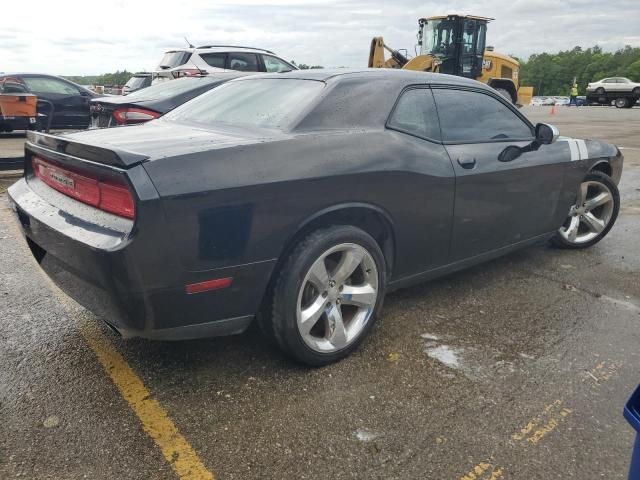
(467, 162)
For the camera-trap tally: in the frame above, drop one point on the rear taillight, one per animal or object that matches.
(107, 195)
(128, 116)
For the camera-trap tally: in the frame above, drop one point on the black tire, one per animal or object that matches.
(282, 324)
(600, 91)
(622, 102)
(559, 241)
(636, 91)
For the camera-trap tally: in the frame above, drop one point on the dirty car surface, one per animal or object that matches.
(300, 199)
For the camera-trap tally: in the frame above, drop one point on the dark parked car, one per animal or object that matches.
(137, 81)
(632, 414)
(71, 101)
(301, 199)
(152, 102)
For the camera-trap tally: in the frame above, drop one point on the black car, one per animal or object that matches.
(70, 101)
(300, 199)
(152, 102)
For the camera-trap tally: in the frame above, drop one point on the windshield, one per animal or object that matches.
(170, 89)
(438, 37)
(174, 59)
(265, 102)
(136, 82)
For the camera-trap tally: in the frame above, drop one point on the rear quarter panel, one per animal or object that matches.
(240, 205)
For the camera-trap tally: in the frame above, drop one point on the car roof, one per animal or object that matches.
(220, 48)
(30, 74)
(365, 74)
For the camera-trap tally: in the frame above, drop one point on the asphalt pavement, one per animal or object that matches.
(514, 369)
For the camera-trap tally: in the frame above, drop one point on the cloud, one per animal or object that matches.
(69, 38)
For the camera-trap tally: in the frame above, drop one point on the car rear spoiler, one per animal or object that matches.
(108, 156)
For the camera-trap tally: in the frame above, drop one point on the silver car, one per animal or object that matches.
(614, 84)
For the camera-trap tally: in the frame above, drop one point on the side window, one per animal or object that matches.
(214, 59)
(415, 113)
(49, 86)
(273, 64)
(475, 117)
(244, 62)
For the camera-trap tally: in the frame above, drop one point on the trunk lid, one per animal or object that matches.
(128, 145)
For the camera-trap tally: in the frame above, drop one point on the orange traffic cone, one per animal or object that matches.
(553, 110)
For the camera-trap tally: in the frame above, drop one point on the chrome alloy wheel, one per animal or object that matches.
(590, 215)
(337, 298)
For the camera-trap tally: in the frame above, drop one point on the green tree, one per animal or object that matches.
(553, 73)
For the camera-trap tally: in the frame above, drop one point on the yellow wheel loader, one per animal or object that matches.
(455, 44)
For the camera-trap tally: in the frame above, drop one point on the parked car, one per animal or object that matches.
(295, 198)
(614, 85)
(137, 81)
(71, 101)
(154, 101)
(632, 414)
(182, 62)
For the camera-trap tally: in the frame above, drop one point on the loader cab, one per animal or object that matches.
(457, 41)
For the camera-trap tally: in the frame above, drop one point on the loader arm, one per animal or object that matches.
(377, 55)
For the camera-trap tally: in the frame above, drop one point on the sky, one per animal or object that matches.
(70, 37)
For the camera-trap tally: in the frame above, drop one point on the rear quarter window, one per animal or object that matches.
(415, 113)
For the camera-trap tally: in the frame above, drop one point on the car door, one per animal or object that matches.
(610, 84)
(243, 62)
(71, 105)
(623, 85)
(429, 186)
(497, 203)
(275, 65)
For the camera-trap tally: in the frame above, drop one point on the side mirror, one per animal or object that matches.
(546, 134)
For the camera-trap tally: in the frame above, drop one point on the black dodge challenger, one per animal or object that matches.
(300, 199)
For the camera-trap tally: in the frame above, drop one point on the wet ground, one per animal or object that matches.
(514, 369)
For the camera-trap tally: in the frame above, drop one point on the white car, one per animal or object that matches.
(181, 62)
(614, 84)
(537, 101)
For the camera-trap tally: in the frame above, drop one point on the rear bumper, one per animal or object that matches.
(111, 276)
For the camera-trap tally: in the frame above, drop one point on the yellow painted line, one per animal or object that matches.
(484, 471)
(155, 421)
(603, 371)
(541, 425)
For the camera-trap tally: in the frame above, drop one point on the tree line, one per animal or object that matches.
(116, 78)
(553, 73)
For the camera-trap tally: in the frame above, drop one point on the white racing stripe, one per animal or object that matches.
(582, 146)
(578, 149)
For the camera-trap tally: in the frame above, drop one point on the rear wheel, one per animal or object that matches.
(600, 91)
(327, 295)
(593, 214)
(621, 102)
